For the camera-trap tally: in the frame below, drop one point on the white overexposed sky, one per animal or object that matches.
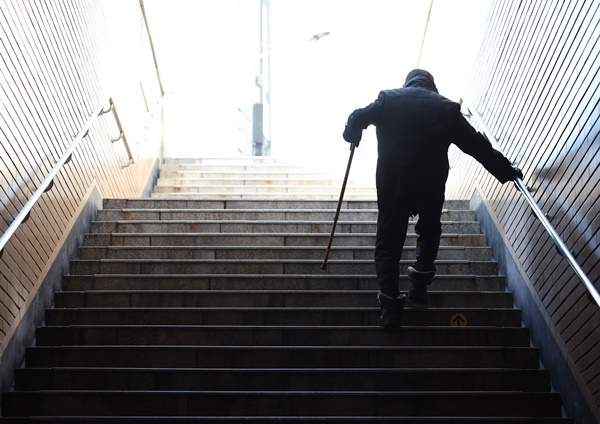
(208, 52)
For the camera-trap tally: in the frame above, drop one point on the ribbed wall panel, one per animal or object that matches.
(58, 61)
(536, 86)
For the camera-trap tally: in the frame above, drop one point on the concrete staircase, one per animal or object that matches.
(207, 303)
(254, 178)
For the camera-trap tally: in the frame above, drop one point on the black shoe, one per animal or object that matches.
(391, 310)
(419, 279)
(421, 273)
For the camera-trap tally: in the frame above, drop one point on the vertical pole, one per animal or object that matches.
(257, 131)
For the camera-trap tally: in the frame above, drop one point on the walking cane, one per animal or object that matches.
(339, 206)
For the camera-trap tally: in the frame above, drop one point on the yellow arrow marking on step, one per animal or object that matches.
(458, 320)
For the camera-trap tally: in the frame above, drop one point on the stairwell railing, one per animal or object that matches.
(48, 182)
(560, 244)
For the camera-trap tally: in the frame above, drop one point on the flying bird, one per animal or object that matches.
(318, 36)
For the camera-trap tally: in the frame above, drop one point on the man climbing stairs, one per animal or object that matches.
(206, 303)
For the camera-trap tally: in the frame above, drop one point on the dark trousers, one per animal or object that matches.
(401, 194)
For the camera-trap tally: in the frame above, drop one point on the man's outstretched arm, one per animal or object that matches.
(476, 145)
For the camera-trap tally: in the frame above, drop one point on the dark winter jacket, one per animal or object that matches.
(415, 126)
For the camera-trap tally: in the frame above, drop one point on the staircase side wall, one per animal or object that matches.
(566, 378)
(535, 84)
(60, 60)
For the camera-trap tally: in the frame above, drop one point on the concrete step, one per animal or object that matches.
(259, 214)
(289, 188)
(174, 180)
(149, 203)
(218, 226)
(289, 420)
(268, 282)
(283, 379)
(241, 160)
(294, 403)
(223, 189)
(235, 214)
(325, 356)
(223, 165)
(248, 266)
(349, 194)
(294, 316)
(219, 173)
(263, 239)
(248, 335)
(267, 298)
(267, 252)
(243, 204)
(241, 167)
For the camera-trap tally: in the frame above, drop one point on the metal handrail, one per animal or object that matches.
(48, 181)
(561, 246)
(121, 132)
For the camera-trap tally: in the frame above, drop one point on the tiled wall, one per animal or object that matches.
(536, 85)
(59, 60)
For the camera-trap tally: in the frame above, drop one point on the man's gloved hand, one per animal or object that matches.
(518, 173)
(352, 136)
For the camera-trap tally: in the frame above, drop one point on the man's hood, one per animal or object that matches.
(420, 78)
